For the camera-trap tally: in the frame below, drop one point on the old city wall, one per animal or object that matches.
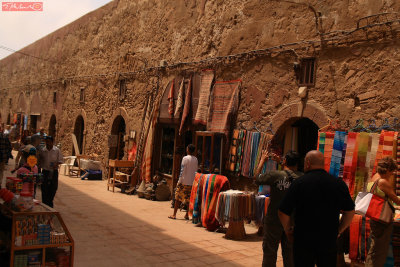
(354, 81)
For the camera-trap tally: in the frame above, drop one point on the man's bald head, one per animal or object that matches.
(314, 160)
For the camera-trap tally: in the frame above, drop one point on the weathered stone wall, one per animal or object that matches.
(354, 80)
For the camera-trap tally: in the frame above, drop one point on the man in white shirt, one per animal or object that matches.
(50, 157)
(189, 168)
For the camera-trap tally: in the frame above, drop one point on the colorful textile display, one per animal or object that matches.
(240, 147)
(179, 101)
(148, 148)
(234, 205)
(321, 141)
(337, 153)
(385, 147)
(349, 167)
(343, 157)
(213, 185)
(233, 157)
(196, 197)
(371, 155)
(207, 78)
(361, 176)
(223, 105)
(247, 154)
(262, 203)
(254, 150)
(187, 105)
(359, 238)
(329, 137)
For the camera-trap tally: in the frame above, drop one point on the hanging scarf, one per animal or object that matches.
(321, 142)
(171, 99)
(240, 148)
(247, 154)
(343, 157)
(329, 136)
(350, 161)
(187, 106)
(254, 151)
(337, 151)
(179, 101)
(361, 175)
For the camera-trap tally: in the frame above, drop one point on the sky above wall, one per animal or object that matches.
(21, 28)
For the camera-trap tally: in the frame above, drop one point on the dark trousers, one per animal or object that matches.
(309, 255)
(380, 240)
(49, 186)
(273, 235)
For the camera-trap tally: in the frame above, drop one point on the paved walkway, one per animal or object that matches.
(114, 229)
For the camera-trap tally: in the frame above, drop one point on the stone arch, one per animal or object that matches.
(118, 116)
(311, 111)
(80, 117)
(120, 112)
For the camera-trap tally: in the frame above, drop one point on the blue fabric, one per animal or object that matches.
(337, 151)
(254, 152)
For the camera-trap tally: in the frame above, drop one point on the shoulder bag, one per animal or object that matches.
(374, 207)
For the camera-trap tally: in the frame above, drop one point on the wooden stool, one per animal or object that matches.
(236, 231)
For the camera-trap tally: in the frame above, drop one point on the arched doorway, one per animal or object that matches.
(78, 131)
(299, 134)
(52, 126)
(118, 132)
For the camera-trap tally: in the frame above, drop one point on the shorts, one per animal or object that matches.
(183, 192)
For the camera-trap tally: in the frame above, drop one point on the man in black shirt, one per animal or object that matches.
(316, 199)
(279, 182)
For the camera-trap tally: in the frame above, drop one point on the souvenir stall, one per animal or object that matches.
(32, 234)
(353, 156)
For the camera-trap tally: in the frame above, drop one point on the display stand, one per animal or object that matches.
(116, 178)
(40, 231)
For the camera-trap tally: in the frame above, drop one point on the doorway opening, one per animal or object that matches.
(52, 126)
(33, 124)
(298, 134)
(118, 132)
(78, 131)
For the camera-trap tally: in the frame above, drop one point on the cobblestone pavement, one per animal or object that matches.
(114, 229)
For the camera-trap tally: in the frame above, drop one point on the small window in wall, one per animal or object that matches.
(122, 89)
(54, 97)
(82, 95)
(306, 72)
(167, 150)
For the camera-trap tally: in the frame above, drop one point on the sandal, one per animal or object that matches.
(172, 217)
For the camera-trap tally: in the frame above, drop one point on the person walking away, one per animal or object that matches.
(316, 199)
(189, 168)
(50, 158)
(279, 182)
(381, 232)
(5, 152)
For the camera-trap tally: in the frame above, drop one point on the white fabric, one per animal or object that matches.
(48, 159)
(189, 168)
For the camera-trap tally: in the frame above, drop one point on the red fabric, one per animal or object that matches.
(375, 208)
(355, 236)
(193, 194)
(221, 183)
(132, 152)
